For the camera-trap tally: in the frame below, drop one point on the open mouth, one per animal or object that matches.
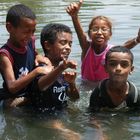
(66, 55)
(99, 39)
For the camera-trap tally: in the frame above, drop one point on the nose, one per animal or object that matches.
(118, 67)
(29, 34)
(68, 47)
(99, 30)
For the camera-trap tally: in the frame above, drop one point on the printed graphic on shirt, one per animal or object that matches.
(61, 92)
(23, 71)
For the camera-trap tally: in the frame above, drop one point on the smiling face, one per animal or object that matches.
(60, 49)
(20, 35)
(100, 32)
(119, 66)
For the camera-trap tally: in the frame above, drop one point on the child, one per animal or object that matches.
(94, 51)
(116, 92)
(53, 89)
(17, 56)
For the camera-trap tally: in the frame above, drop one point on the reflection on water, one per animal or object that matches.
(24, 125)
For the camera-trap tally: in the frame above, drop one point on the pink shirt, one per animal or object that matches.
(93, 65)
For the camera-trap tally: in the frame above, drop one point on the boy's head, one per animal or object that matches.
(17, 12)
(50, 33)
(120, 49)
(119, 63)
(21, 25)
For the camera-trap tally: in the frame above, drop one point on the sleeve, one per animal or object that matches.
(6, 53)
(94, 103)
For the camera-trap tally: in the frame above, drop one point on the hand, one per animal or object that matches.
(45, 69)
(42, 59)
(74, 8)
(68, 64)
(16, 102)
(69, 76)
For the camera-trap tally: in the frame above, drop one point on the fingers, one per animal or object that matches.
(64, 61)
(80, 2)
(70, 76)
(47, 61)
(72, 64)
(74, 7)
(41, 59)
(69, 64)
(72, 73)
(36, 63)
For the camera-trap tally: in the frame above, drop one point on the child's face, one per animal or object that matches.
(61, 48)
(119, 66)
(100, 32)
(21, 35)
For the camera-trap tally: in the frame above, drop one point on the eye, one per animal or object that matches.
(94, 29)
(125, 64)
(105, 29)
(70, 43)
(63, 42)
(112, 63)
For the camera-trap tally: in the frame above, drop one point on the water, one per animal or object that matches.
(20, 124)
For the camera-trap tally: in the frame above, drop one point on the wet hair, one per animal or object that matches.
(104, 18)
(50, 31)
(119, 49)
(16, 12)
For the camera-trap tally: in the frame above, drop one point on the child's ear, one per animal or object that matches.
(47, 45)
(132, 69)
(9, 27)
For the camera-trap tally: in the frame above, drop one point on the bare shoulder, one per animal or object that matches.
(5, 63)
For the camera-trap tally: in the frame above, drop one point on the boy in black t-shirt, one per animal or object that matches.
(54, 88)
(116, 92)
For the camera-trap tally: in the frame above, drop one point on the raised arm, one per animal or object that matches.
(69, 77)
(73, 10)
(132, 42)
(47, 80)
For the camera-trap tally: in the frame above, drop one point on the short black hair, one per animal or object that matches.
(119, 49)
(16, 12)
(50, 31)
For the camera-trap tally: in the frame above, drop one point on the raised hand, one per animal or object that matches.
(74, 8)
(68, 64)
(41, 59)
